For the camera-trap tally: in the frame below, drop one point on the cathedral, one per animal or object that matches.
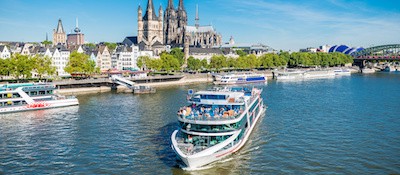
(171, 28)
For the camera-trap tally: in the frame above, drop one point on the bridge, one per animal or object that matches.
(378, 53)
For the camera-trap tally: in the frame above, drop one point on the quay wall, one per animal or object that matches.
(81, 91)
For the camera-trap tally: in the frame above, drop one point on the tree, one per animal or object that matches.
(90, 45)
(43, 66)
(169, 62)
(252, 61)
(218, 61)
(267, 60)
(142, 61)
(80, 63)
(21, 65)
(90, 67)
(5, 67)
(178, 54)
(204, 64)
(194, 64)
(241, 53)
(111, 46)
(46, 42)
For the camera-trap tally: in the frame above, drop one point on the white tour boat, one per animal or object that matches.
(367, 70)
(341, 72)
(317, 74)
(289, 75)
(216, 124)
(241, 78)
(30, 96)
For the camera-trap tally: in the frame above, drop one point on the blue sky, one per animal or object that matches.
(287, 25)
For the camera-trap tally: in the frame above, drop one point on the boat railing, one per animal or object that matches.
(191, 147)
(209, 115)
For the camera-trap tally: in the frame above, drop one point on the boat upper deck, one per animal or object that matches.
(26, 86)
(218, 105)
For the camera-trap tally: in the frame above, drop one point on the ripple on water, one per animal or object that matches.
(336, 126)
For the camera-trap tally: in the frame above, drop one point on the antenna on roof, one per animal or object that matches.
(197, 16)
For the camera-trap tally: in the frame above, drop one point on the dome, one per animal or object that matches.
(341, 48)
(77, 30)
(345, 49)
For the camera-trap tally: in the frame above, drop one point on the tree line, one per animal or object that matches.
(24, 67)
(174, 61)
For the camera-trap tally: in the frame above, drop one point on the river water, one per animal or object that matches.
(348, 125)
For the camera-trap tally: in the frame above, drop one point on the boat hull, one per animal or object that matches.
(40, 105)
(240, 82)
(196, 161)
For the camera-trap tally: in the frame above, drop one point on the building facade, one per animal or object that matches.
(126, 58)
(59, 59)
(4, 52)
(59, 35)
(103, 58)
(77, 38)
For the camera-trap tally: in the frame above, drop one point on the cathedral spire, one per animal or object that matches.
(150, 12)
(77, 30)
(181, 7)
(170, 4)
(60, 28)
(197, 16)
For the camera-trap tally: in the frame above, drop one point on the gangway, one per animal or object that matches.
(25, 96)
(122, 81)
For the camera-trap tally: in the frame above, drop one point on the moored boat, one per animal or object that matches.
(30, 96)
(341, 72)
(367, 70)
(316, 74)
(144, 90)
(241, 78)
(289, 75)
(216, 124)
(389, 69)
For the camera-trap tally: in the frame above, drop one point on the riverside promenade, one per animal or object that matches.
(100, 85)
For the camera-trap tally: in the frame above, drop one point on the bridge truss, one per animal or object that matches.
(384, 52)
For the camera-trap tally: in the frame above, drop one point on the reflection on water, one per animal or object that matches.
(348, 125)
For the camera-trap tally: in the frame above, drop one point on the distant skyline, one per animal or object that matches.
(287, 25)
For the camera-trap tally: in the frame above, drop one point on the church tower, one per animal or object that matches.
(182, 15)
(170, 24)
(150, 27)
(182, 22)
(59, 35)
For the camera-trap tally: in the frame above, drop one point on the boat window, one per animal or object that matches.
(42, 92)
(213, 97)
(34, 92)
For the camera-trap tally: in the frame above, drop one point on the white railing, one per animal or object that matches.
(123, 81)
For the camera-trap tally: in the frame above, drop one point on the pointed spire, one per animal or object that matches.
(60, 28)
(77, 30)
(150, 12)
(170, 4)
(181, 6)
(47, 37)
(197, 16)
